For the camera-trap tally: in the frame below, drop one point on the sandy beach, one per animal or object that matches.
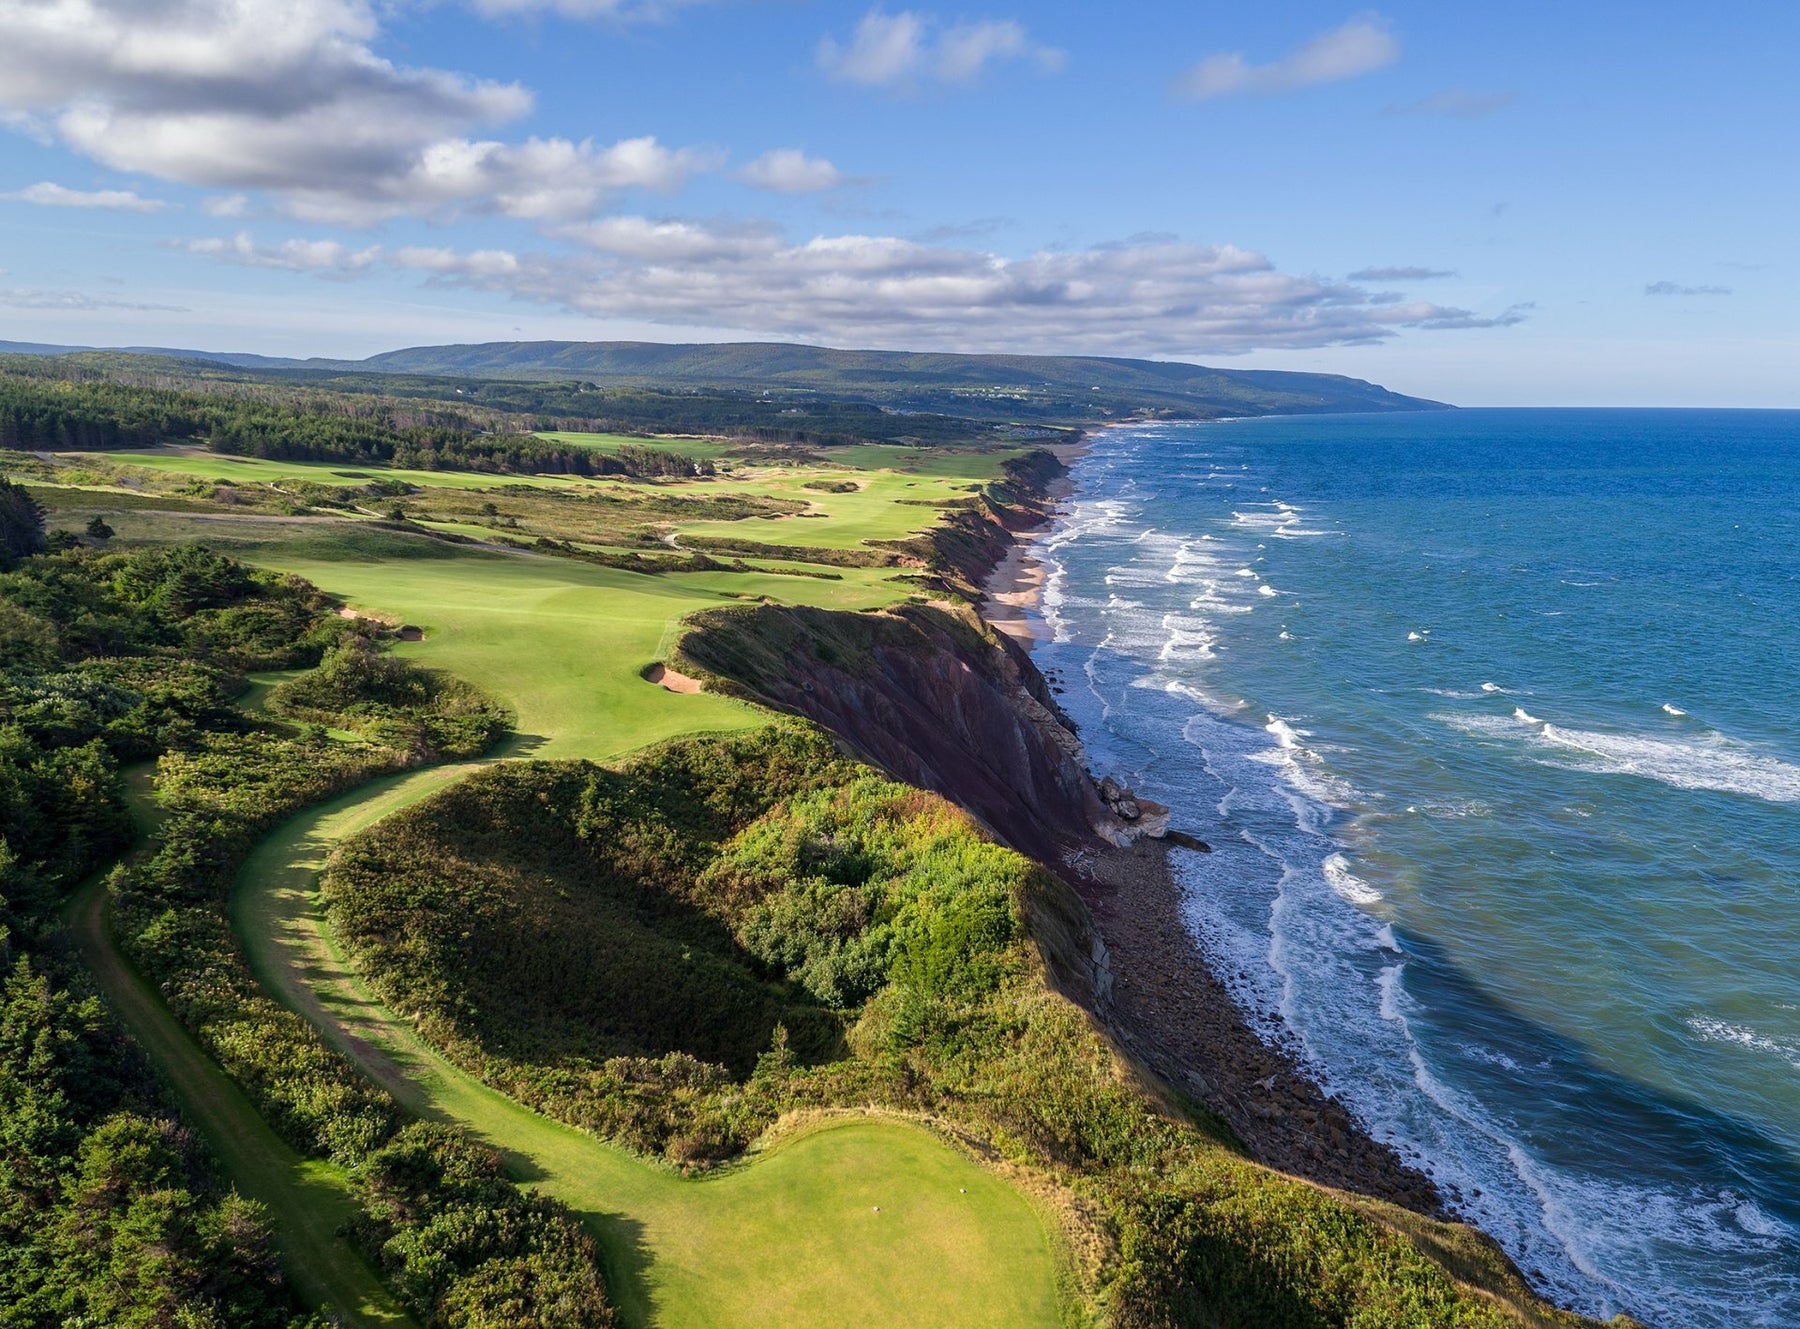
(1013, 594)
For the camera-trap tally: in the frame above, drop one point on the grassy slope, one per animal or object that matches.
(792, 1238)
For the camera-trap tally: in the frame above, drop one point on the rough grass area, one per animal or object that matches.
(885, 905)
(791, 1239)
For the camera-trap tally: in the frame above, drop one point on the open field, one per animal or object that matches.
(204, 465)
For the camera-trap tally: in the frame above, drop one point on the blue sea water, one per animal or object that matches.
(1492, 720)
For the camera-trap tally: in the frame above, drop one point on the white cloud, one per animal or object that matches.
(322, 258)
(1401, 274)
(217, 93)
(1152, 296)
(900, 51)
(1460, 103)
(791, 171)
(1360, 46)
(671, 241)
(46, 194)
(1676, 288)
(619, 11)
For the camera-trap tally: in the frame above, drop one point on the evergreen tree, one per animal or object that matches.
(21, 522)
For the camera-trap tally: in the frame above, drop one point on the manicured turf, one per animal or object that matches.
(205, 465)
(856, 1222)
(307, 1200)
(563, 643)
(703, 449)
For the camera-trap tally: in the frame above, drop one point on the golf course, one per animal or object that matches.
(833, 1219)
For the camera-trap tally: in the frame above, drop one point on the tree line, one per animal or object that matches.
(43, 414)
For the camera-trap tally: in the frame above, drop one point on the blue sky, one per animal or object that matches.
(1519, 203)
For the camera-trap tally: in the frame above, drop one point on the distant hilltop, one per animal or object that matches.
(1041, 387)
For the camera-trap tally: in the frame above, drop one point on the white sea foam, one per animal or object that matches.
(1413, 636)
(1346, 883)
(1672, 710)
(1266, 589)
(1722, 1031)
(1492, 687)
(1708, 761)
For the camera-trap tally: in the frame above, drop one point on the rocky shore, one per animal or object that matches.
(1162, 1002)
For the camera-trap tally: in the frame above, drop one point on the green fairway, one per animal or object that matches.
(308, 1200)
(703, 449)
(562, 643)
(849, 1221)
(205, 465)
(854, 1222)
(887, 506)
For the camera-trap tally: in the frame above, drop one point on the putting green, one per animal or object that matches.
(854, 1222)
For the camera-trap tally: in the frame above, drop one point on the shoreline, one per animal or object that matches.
(1165, 1006)
(1012, 594)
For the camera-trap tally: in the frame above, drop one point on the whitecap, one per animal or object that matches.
(1708, 761)
(1672, 710)
(1347, 884)
(1723, 1031)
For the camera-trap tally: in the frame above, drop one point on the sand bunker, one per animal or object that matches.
(665, 677)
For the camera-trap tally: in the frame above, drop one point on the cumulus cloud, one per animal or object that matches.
(1149, 296)
(1461, 103)
(1676, 288)
(1401, 274)
(48, 195)
(214, 93)
(1359, 47)
(322, 258)
(791, 171)
(899, 52)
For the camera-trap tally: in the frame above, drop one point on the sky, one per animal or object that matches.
(1508, 204)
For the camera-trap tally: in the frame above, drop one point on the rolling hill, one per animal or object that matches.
(1011, 387)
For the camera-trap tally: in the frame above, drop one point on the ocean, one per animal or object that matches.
(1492, 719)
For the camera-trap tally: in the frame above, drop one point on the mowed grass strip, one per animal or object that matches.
(308, 1201)
(855, 1222)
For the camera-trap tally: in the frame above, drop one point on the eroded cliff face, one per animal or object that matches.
(928, 694)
